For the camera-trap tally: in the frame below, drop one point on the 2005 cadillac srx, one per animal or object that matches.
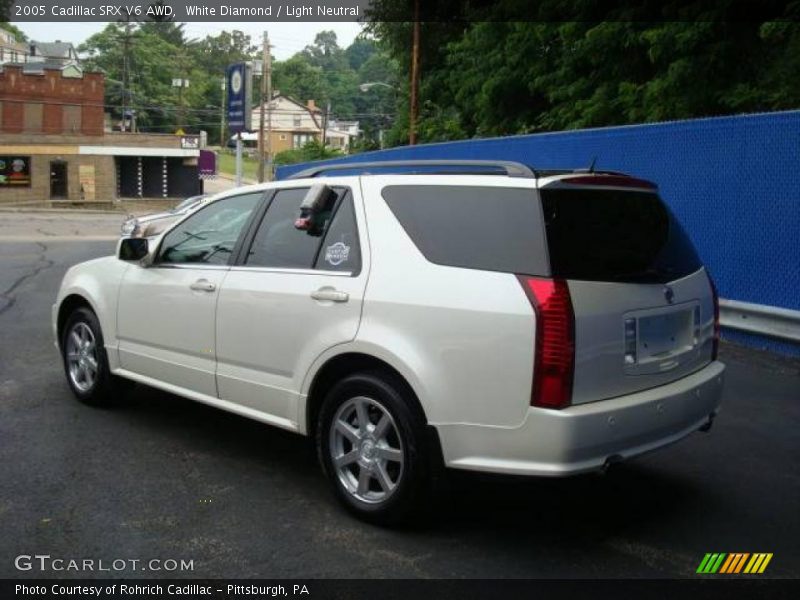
(475, 314)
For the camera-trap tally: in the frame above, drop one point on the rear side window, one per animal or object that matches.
(277, 243)
(332, 247)
(340, 249)
(486, 228)
(612, 235)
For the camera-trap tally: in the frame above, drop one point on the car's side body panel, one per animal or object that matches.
(269, 328)
(97, 282)
(166, 329)
(468, 335)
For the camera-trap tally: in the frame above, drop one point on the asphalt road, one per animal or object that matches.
(162, 477)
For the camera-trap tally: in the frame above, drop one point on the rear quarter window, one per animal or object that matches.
(473, 227)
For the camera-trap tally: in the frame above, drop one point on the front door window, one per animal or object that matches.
(209, 235)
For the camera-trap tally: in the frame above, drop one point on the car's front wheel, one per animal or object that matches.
(371, 444)
(85, 361)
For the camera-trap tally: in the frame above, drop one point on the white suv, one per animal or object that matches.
(485, 316)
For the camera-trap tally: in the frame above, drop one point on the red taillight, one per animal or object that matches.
(715, 296)
(554, 361)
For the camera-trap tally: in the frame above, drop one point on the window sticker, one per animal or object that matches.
(337, 253)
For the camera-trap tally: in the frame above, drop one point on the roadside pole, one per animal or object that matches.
(222, 119)
(238, 159)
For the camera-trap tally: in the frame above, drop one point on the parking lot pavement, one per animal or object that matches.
(59, 225)
(162, 477)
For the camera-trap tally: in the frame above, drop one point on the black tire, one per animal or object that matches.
(105, 386)
(412, 488)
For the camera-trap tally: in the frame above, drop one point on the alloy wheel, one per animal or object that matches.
(366, 450)
(81, 354)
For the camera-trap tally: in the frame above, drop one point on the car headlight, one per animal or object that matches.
(129, 226)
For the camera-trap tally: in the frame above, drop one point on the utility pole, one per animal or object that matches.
(181, 83)
(265, 144)
(414, 102)
(325, 118)
(181, 110)
(126, 49)
(268, 69)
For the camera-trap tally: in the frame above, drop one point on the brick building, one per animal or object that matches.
(54, 147)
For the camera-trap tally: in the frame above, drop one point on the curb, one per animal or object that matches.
(61, 211)
(245, 180)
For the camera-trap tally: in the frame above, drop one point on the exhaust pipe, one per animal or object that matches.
(611, 460)
(707, 427)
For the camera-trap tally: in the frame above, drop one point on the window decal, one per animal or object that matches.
(337, 253)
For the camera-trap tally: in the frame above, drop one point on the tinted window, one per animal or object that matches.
(209, 235)
(277, 243)
(610, 235)
(488, 228)
(340, 251)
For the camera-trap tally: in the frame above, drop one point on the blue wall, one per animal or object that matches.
(734, 182)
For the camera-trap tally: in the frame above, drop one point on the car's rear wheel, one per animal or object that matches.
(371, 444)
(85, 360)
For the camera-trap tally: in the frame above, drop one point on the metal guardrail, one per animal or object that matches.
(772, 321)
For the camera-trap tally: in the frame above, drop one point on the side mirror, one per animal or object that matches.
(132, 249)
(314, 203)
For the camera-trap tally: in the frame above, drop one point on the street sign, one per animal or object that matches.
(239, 80)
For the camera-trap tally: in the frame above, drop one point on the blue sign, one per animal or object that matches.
(238, 79)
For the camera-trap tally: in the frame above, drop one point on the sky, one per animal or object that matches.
(287, 38)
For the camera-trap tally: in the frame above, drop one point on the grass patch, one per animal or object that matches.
(227, 165)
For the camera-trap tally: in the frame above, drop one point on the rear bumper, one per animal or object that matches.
(582, 438)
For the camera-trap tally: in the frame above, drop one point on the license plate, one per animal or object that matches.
(663, 334)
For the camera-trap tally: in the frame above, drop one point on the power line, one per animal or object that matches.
(172, 108)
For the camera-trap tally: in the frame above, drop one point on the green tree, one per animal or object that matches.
(298, 78)
(310, 151)
(493, 69)
(164, 26)
(360, 51)
(211, 56)
(18, 33)
(148, 66)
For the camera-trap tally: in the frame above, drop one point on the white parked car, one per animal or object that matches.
(485, 317)
(155, 223)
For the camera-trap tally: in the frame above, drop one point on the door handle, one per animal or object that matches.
(330, 295)
(203, 285)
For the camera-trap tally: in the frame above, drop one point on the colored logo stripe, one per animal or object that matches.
(711, 562)
(758, 563)
(733, 563)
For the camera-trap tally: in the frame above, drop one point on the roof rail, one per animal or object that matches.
(511, 168)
